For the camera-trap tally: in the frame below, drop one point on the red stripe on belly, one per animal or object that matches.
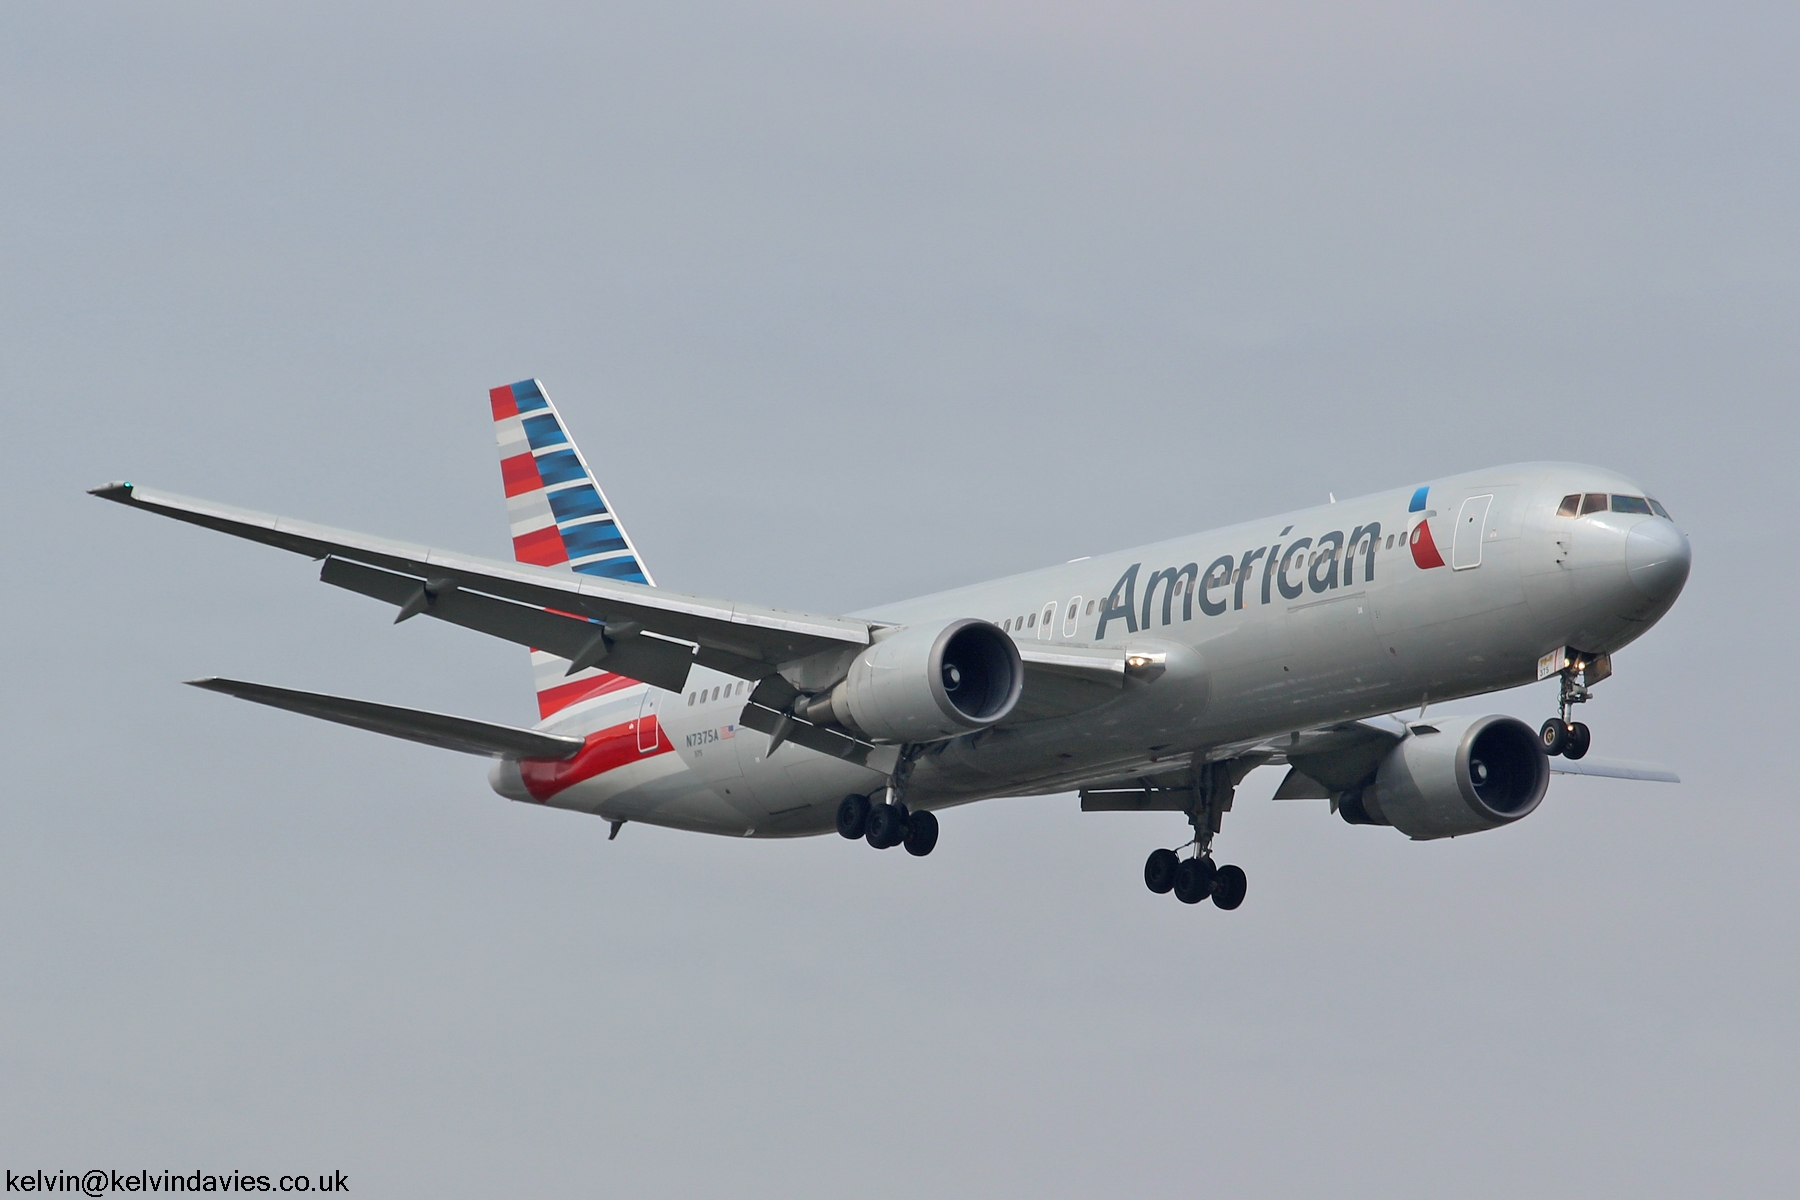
(604, 751)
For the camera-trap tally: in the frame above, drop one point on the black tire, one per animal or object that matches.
(887, 826)
(853, 816)
(1555, 735)
(1229, 887)
(1159, 871)
(1194, 880)
(921, 834)
(1579, 741)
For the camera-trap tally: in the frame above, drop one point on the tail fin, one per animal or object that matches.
(559, 517)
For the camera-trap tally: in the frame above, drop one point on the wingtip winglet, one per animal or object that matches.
(119, 490)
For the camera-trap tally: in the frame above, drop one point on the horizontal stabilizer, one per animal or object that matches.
(433, 729)
(1614, 768)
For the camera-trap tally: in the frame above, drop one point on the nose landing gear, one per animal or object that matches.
(1560, 735)
(1197, 878)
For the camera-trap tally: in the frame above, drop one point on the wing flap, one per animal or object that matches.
(645, 657)
(414, 725)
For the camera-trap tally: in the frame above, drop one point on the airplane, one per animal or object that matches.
(1151, 679)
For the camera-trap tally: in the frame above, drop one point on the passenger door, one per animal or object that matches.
(1471, 532)
(647, 734)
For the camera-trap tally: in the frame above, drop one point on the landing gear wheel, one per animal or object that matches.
(1194, 880)
(1229, 887)
(887, 826)
(1579, 741)
(921, 833)
(1555, 735)
(853, 816)
(1159, 871)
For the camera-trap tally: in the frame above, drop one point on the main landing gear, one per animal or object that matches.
(1196, 878)
(1561, 735)
(888, 824)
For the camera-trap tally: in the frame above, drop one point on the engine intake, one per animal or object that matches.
(926, 683)
(1455, 776)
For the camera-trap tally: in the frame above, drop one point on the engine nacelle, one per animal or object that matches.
(1473, 773)
(926, 683)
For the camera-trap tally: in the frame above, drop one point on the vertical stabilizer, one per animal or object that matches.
(560, 518)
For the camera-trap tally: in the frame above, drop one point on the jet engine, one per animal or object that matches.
(1453, 776)
(925, 683)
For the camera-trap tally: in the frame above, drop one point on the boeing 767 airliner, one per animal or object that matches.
(1150, 679)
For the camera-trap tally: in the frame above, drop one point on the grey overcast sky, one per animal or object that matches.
(847, 302)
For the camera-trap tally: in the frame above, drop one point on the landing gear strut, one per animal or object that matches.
(1561, 735)
(1196, 878)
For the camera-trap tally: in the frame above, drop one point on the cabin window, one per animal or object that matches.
(1631, 504)
(1007, 624)
(1390, 541)
(715, 694)
(1031, 621)
(1073, 609)
(1593, 502)
(1661, 511)
(1090, 608)
(690, 699)
(1570, 507)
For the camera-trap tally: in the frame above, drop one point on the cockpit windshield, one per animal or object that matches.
(1580, 504)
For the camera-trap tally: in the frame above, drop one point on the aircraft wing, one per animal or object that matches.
(433, 729)
(553, 610)
(641, 632)
(1613, 768)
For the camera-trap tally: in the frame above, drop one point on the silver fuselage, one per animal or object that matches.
(1254, 631)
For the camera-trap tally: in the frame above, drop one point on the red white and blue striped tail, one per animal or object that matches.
(560, 518)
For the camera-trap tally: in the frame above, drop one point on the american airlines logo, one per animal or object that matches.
(1290, 569)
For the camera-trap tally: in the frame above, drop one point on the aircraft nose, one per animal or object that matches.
(1657, 557)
